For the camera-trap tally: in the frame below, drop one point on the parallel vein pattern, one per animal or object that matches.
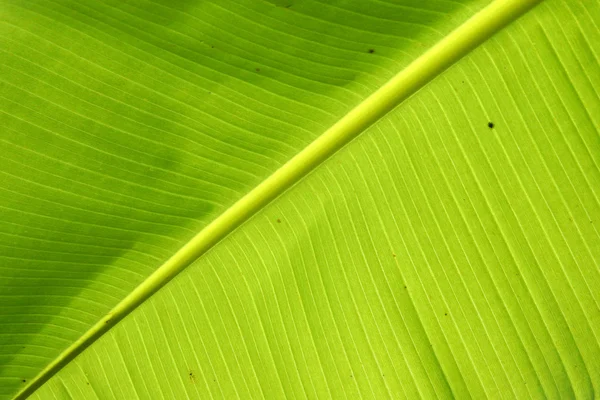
(436, 256)
(127, 126)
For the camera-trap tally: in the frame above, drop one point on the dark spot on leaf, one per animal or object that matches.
(394, 255)
(24, 380)
(445, 313)
(278, 221)
(257, 69)
(87, 383)
(491, 125)
(371, 51)
(405, 287)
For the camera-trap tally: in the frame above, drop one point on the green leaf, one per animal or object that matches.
(450, 250)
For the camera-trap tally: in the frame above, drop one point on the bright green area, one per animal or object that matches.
(433, 256)
(128, 126)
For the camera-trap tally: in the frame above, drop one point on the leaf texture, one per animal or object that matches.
(451, 250)
(129, 125)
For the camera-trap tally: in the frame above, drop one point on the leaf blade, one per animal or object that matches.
(488, 230)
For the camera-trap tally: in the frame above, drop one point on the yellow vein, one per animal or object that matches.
(424, 69)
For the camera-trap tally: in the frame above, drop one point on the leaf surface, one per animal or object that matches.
(450, 250)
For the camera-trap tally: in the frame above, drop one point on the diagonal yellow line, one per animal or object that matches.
(423, 70)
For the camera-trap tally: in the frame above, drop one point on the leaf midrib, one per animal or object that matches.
(416, 75)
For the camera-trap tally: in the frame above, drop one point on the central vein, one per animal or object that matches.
(423, 70)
